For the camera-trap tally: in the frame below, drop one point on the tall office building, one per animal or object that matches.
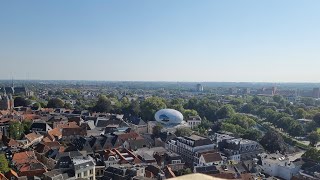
(199, 88)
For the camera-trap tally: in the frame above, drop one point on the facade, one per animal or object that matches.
(199, 88)
(188, 146)
(84, 168)
(279, 165)
(238, 149)
(6, 102)
(194, 121)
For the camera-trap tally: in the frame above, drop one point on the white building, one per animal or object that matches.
(194, 121)
(279, 165)
(84, 168)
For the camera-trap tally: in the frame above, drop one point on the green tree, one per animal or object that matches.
(20, 101)
(225, 111)
(184, 172)
(4, 165)
(189, 112)
(68, 106)
(36, 106)
(183, 132)
(55, 103)
(277, 98)
(312, 154)
(256, 100)
(300, 113)
(16, 130)
(252, 134)
(26, 125)
(310, 126)
(156, 130)
(233, 128)
(248, 108)
(314, 138)
(102, 105)
(273, 142)
(295, 129)
(135, 108)
(177, 104)
(316, 118)
(150, 106)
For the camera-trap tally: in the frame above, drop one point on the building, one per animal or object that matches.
(199, 88)
(188, 146)
(84, 168)
(138, 125)
(194, 121)
(168, 116)
(238, 149)
(6, 102)
(279, 165)
(124, 172)
(316, 93)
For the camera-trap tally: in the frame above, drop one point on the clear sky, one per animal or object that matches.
(164, 40)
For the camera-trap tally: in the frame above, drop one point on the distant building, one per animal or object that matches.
(316, 93)
(199, 88)
(6, 102)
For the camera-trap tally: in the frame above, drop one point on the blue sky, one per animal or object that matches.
(180, 40)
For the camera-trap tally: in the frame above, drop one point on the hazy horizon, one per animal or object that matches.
(161, 41)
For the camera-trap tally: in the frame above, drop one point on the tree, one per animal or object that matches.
(205, 107)
(177, 104)
(67, 106)
(233, 128)
(20, 101)
(4, 165)
(184, 172)
(102, 105)
(26, 125)
(316, 118)
(16, 130)
(273, 142)
(36, 106)
(295, 129)
(256, 100)
(189, 112)
(277, 98)
(225, 111)
(300, 113)
(310, 126)
(55, 103)
(135, 108)
(248, 108)
(312, 154)
(314, 138)
(156, 130)
(252, 134)
(150, 106)
(183, 132)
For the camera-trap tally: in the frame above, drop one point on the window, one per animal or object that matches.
(79, 175)
(91, 171)
(85, 173)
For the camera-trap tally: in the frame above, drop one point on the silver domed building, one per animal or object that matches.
(169, 116)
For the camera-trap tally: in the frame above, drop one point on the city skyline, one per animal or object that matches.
(176, 41)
